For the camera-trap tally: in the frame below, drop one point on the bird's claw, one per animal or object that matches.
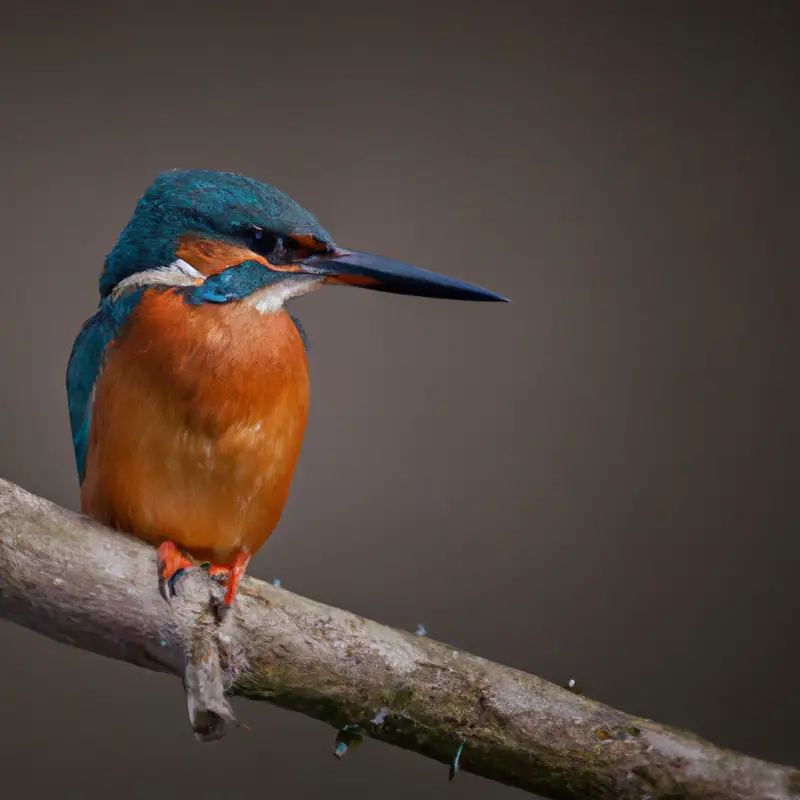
(172, 565)
(167, 587)
(220, 575)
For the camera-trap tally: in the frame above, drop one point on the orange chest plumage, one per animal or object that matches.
(197, 424)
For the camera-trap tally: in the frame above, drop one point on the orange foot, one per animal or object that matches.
(230, 576)
(172, 563)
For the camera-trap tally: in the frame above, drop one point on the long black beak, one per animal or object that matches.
(388, 275)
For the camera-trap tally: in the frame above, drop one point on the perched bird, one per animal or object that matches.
(188, 389)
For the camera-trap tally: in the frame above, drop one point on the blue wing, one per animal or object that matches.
(85, 364)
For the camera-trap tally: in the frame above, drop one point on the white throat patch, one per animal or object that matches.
(271, 298)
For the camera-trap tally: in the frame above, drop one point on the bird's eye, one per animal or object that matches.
(260, 241)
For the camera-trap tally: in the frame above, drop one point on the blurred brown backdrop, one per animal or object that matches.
(599, 481)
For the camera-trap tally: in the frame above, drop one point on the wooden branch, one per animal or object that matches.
(79, 583)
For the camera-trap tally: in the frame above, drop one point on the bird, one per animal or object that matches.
(188, 388)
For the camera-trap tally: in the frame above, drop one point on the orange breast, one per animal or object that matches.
(197, 424)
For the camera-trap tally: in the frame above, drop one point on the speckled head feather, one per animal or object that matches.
(221, 205)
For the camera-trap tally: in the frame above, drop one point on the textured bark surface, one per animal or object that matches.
(79, 583)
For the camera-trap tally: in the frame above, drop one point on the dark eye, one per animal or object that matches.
(260, 241)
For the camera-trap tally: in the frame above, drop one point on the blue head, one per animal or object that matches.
(210, 222)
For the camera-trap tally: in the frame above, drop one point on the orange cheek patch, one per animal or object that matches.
(209, 256)
(307, 246)
(308, 242)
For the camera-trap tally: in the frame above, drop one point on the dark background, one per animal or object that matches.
(598, 481)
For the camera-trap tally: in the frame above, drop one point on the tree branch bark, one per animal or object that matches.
(75, 581)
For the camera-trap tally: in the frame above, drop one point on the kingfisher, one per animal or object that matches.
(188, 389)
